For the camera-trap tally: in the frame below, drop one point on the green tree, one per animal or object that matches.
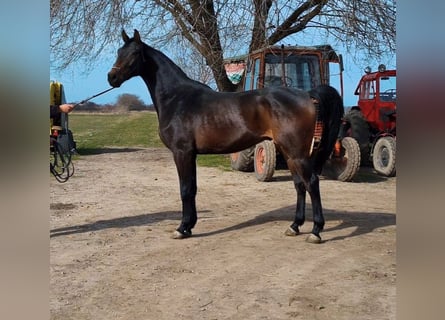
(207, 31)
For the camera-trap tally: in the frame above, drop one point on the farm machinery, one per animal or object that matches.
(372, 123)
(300, 67)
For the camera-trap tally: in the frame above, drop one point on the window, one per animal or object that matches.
(367, 90)
(248, 76)
(301, 72)
(256, 73)
(388, 88)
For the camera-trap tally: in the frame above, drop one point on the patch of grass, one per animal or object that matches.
(97, 133)
(214, 160)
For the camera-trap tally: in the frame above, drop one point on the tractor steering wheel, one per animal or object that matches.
(288, 81)
(391, 93)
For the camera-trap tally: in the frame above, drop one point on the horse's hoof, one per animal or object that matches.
(178, 235)
(312, 238)
(291, 232)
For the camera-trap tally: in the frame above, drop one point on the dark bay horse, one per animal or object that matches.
(194, 119)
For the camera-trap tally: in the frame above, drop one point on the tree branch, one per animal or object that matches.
(297, 20)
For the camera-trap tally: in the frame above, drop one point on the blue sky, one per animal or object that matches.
(79, 85)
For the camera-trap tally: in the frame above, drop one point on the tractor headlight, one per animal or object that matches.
(368, 70)
(382, 68)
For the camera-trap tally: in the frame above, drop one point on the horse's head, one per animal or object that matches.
(129, 59)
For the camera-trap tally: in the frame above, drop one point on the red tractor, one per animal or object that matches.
(302, 67)
(372, 123)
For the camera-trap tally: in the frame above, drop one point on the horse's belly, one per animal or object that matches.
(226, 141)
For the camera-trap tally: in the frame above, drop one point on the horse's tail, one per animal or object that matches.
(330, 112)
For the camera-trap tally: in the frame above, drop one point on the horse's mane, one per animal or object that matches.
(164, 60)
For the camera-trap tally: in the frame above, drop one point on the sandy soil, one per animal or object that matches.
(112, 256)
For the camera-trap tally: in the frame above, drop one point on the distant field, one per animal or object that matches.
(94, 132)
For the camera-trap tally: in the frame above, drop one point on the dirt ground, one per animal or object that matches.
(111, 255)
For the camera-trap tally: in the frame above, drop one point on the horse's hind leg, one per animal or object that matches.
(305, 179)
(294, 230)
(186, 167)
(317, 210)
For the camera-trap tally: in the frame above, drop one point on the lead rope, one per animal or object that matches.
(96, 95)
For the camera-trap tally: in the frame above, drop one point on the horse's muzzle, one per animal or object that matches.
(113, 79)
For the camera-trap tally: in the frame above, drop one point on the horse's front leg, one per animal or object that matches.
(186, 167)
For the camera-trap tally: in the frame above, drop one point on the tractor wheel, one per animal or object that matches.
(243, 160)
(344, 166)
(384, 156)
(360, 131)
(265, 160)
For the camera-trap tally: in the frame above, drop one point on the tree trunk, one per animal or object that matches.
(259, 26)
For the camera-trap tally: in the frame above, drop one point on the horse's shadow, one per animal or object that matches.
(359, 222)
(95, 151)
(124, 222)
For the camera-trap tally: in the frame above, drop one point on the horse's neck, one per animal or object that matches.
(160, 74)
(163, 78)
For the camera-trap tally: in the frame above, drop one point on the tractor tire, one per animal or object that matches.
(384, 156)
(265, 159)
(360, 131)
(243, 160)
(345, 166)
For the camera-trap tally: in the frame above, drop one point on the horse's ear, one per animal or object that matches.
(136, 36)
(125, 37)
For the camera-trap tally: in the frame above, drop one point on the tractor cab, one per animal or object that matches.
(302, 67)
(377, 99)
